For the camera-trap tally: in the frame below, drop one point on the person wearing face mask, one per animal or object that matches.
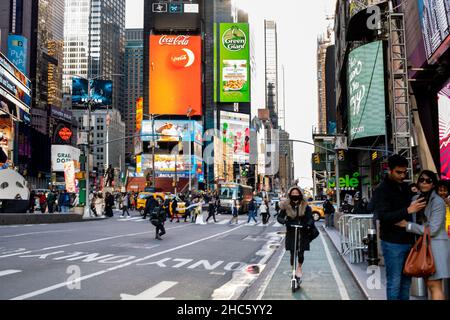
(295, 211)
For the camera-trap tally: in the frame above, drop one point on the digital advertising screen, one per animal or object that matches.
(235, 132)
(444, 130)
(175, 75)
(172, 130)
(100, 95)
(234, 62)
(365, 80)
(18, 51)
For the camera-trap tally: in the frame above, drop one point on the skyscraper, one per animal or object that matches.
(134, 73)
(271, 53)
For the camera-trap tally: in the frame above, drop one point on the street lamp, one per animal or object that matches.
(188, 113)
(87, 153)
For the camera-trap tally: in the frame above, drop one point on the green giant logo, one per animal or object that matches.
(234, 39)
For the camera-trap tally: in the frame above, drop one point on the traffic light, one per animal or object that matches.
(341, 155)
(317, 158)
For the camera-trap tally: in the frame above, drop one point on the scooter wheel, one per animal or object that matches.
(293, 285)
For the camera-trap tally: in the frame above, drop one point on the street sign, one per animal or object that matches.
(175, 8)
(159, 7)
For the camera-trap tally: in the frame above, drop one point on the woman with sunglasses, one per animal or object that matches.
(434, 216)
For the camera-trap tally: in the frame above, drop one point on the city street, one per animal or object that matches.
(118, 258)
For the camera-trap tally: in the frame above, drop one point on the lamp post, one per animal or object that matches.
(189, 111)
(87, 153)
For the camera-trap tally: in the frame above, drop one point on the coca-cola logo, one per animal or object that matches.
(174, 40)
(182, 58)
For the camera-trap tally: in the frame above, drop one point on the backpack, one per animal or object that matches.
(154, 217)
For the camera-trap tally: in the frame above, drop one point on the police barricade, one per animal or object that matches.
(359, 226)
(353, 228)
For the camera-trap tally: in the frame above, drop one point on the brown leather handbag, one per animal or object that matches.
(420, 261)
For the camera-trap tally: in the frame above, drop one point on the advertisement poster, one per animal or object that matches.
(234, 82)
(166, 163)
(172, 130)
(62, 154)
(444, 131)
(365, 81)
(236, 134)
(435, 24)
(17, 51)
(6, 141)
(69, 176)
(100, 95)
(14, 85)
(175, 74)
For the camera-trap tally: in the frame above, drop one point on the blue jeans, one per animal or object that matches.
(64, 209)
(398, 285)
(251, 214)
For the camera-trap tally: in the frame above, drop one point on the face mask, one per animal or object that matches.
(295, 198)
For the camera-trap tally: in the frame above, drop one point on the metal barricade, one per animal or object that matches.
(353, 229)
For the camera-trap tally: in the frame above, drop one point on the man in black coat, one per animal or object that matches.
(150, 204)
(391, 204)
(328, 209)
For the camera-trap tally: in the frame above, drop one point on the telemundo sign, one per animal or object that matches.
(347, 182)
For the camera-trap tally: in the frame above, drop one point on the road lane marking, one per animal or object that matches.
(8, 272)
(342, 290)
(38, 232)
(152, 293)
(72, 281)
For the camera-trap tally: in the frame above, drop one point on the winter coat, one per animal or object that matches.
(99, 205)
(300, 215)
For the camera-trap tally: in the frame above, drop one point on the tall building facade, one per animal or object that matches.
(134, 79)
(271, 67)
(323, 42)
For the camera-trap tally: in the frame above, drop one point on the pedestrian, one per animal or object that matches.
(42, 202)
(433, 216)
(264, 212)
(64, 201)
(187, 212)
(217, 203)
(150, 204)
(32, 203)
(234, 212)
(109, 204)
(252, 210)
(125, 203)
(157, 218)
(99, 204)
(277, 208)
(211, 210)
(444, 192)
(174, 209)
(329, 210)
(166, 205)
(51, 200)
(296, 211)
(392, 204)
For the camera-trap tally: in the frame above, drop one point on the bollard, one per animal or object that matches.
(372, 247)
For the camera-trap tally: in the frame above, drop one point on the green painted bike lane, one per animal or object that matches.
(325, 276)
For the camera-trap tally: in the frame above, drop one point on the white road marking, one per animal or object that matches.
(223, 222)
(151, 293)
(72, 281)
(31, 233)
(266, 282)
(8, 272)
(342, 291)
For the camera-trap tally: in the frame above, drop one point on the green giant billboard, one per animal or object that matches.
(234, 56)
(365, 80)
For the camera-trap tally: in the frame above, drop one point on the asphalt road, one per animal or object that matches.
(118, 258)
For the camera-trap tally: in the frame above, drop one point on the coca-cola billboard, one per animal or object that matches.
(175, 75)
(184, 15)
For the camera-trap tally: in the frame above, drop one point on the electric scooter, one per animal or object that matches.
(295, 282)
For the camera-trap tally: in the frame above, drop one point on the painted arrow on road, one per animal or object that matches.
(151, 293)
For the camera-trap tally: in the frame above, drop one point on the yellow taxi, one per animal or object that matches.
(317, 210)
(142, 199)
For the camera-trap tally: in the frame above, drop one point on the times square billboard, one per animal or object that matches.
(444, 130)
(182, 15)
(100, 95)
(175, 75)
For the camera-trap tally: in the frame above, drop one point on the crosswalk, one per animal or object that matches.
(221, 222)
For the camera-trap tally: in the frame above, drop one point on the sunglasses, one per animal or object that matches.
(426, 180)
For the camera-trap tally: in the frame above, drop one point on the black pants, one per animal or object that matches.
(300, 256)
(265, 218)
(51, 207)
(160, 230)
(125, 209)
(211, 214)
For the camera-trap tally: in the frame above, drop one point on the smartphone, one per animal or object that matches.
(424, 196)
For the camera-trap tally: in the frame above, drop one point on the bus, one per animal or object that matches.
(234, 191)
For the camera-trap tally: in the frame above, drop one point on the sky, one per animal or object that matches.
(299, 23)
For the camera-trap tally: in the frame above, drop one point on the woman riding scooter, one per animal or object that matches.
(300, 230)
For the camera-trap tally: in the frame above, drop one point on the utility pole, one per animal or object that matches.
(87, 208)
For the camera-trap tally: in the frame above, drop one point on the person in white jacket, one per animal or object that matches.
(100, 204)
(264, 212)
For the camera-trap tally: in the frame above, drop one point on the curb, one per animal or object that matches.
(34, 218)
(360, 285)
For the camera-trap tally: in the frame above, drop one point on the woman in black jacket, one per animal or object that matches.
(295, 211)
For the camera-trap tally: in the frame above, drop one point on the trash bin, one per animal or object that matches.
(418, 288)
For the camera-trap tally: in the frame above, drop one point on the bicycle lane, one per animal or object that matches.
(325, 276)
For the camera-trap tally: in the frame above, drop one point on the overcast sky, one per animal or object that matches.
(298, 25)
